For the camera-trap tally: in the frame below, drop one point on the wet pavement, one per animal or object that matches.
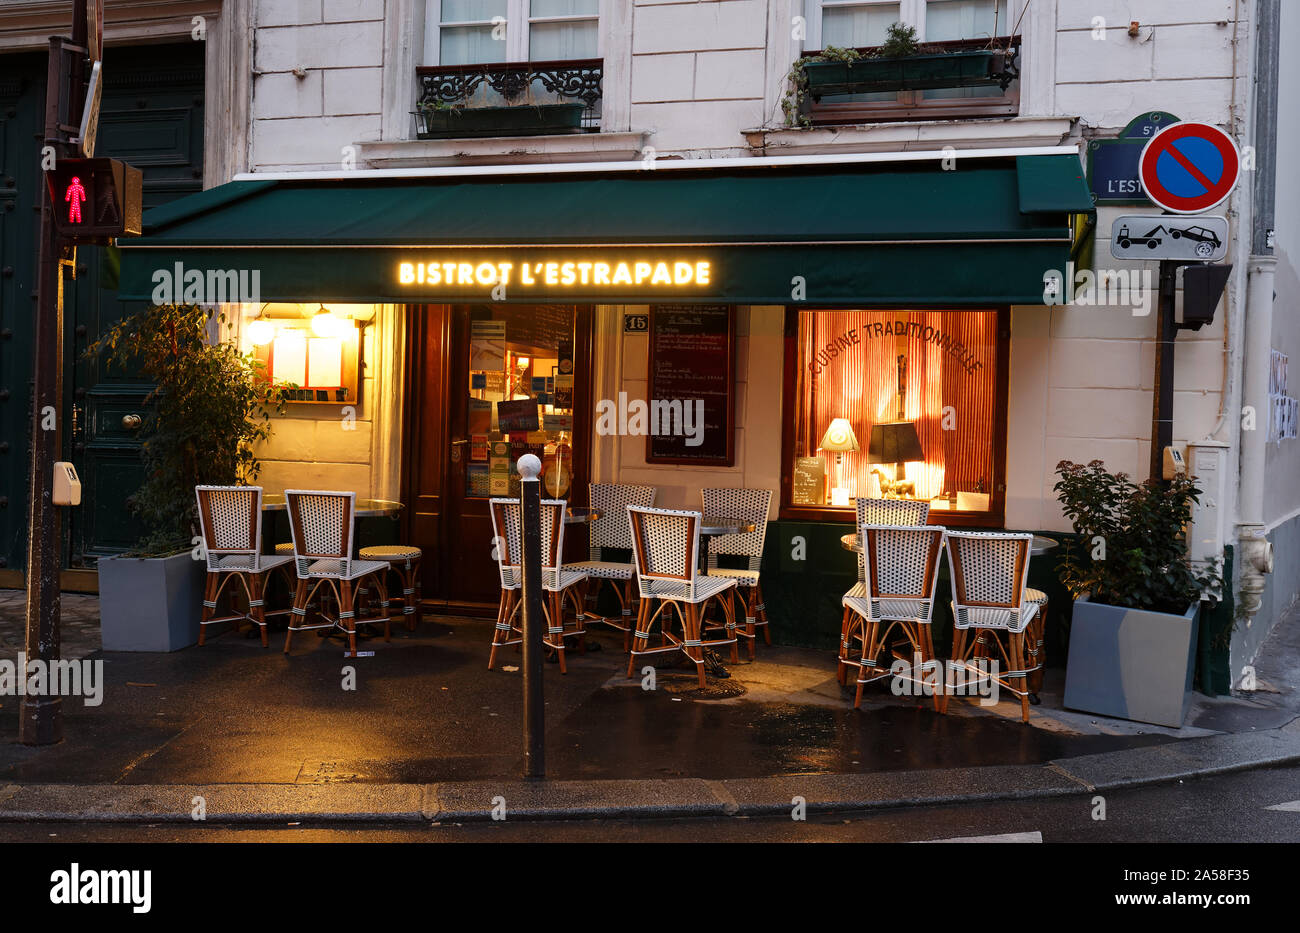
(424, 709)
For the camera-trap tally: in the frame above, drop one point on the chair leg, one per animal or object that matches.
(626, 606)
(846, 630)
(347, 612)
(694, 651)
(209, 603)
(729, 607)
(297, 613)
(1016, 645)
(556, 625)
(760, 610)
(869, 652)
(641, 638)
(257, 607)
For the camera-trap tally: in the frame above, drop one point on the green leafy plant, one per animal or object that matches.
(1133, 550)
(794, 103)
(210, 407)
(900, 41)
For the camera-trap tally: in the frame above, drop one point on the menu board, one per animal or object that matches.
(809, 481)
(692, 361)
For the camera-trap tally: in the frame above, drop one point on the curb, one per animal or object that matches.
(474, 801)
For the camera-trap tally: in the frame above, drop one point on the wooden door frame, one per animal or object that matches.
(419, 320)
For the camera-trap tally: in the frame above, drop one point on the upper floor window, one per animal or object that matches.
(864, 23)
(469, 32)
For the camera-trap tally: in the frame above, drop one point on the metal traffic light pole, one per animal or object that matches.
(40, 717)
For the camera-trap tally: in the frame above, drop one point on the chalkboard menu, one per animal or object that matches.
(692, 362)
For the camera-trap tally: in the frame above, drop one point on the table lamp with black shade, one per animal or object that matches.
(839, 437)
(895, 442)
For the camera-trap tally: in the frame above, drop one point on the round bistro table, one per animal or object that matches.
(713, 526)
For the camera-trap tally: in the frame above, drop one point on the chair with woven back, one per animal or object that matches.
(750, 505)
(665, 546)
(322, 523)
(559, 583)
(896, 512)
(989, 599)
(608, 533)
(230, 520)
(900, 572)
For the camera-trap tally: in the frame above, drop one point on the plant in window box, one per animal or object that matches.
(210, 406)
(900, 64)
(1137, 594)
(442, 120)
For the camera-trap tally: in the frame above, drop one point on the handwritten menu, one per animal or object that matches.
(691, 361)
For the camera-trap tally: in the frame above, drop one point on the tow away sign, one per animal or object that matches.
(1163, 236)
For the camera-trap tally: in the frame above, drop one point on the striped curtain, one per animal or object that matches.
(849, 368)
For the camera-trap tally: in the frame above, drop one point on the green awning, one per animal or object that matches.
(893, 233)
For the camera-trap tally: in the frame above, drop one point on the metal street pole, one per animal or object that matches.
(530, 501)
(40, 717)
(1162, 403)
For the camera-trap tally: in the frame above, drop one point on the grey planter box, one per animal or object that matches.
(1131, 663)
(150, 603)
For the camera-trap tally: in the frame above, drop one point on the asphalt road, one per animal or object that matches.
(1225, 808)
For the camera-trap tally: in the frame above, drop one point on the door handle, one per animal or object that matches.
(131, 421)
(455, 448)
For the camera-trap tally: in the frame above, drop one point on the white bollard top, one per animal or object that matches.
(529, 467)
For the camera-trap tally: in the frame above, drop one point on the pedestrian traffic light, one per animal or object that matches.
(95, 199)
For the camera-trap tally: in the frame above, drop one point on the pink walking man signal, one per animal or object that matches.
(75, 195)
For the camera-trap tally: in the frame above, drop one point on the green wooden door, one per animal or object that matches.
(151, 117)
(22, 96)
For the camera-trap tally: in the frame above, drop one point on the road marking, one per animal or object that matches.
(1034, 836)
(1292, 806)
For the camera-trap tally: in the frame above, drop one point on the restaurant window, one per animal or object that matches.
(858, 24)
(469, 32)
(898, 404)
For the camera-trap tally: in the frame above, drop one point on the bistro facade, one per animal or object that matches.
(673, 326)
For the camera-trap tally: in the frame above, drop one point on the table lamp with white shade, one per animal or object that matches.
(839, 437)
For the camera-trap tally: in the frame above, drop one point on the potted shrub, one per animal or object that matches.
(211, 404)
(1137, 596)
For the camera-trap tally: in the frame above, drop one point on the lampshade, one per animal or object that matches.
(839, 437)
(894, 442)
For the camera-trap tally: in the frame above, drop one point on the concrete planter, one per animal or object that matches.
(1131, 663)
(150, 603)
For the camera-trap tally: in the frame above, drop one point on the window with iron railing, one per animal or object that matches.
(510, 67)
(969, 63)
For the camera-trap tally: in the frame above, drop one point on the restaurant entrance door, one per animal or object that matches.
(488, 384)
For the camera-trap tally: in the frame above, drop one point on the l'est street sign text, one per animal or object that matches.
(1202, 238)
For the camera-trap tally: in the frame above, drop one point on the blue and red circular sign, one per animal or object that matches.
(1189, 167)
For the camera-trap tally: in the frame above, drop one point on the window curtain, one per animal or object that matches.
(949, 392)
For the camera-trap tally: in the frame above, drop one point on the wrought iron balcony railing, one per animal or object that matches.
(450, 96)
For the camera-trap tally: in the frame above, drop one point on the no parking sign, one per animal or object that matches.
(1188, 168)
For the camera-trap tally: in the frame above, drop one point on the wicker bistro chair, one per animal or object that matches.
(751, 505)
(322, 524)
(901, 570)
(665, 546)
(989, 596)
(894, 512)
(558, 582)
(608, 532)
(230, 518)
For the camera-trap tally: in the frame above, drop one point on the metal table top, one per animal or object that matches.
(582, 515)
(713, 525)
(1040, 546)
(365, 508)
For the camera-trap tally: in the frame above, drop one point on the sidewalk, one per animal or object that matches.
(429, 733)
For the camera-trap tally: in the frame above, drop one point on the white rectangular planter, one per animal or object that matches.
(1131, 663)
(150, 603)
